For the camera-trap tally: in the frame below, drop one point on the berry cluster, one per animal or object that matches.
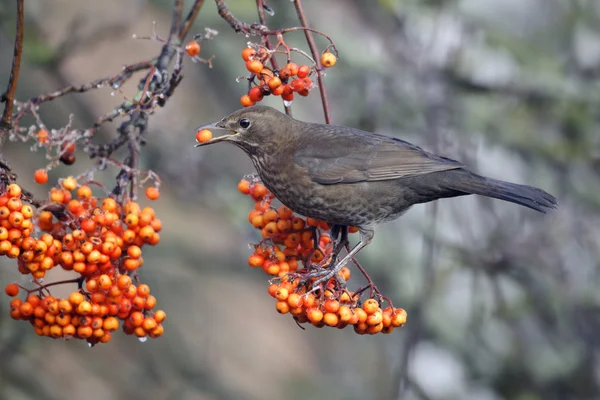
(294, 247)
(98, 239)
(288, 80)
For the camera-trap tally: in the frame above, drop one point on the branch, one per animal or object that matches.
(315, 53)
(189, 20)
(261, 17)
(9, 96)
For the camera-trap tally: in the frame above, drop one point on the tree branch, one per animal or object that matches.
(9, 96)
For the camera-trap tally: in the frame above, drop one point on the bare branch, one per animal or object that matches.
(9, 96)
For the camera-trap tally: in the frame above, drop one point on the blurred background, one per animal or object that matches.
(503, 302)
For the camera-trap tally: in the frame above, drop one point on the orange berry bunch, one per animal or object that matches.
(288, 80)
(289, 251)
(101, 241)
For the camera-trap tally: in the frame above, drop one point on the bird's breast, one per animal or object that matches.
(363, 204)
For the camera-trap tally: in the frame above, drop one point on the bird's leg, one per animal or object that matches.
(327, 273)
(339, 246)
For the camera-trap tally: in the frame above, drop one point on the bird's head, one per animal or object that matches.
(254, 129)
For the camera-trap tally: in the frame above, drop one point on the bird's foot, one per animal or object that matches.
(322, 276)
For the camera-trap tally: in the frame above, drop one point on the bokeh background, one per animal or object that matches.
(503, 302)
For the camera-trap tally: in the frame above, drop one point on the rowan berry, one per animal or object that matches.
(255, 94)
(192, 48)
(69, 183)
(203, 135)
(246, 101)
(12, 289)
(40, 176)
(248, 53)
(328, 59)
(254, 66)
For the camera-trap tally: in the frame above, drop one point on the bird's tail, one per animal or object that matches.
(469, 183)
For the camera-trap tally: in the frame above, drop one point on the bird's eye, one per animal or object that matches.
(244, 123)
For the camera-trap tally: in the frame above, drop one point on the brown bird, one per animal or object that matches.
(349, 177)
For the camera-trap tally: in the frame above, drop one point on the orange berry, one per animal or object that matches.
(245, 101)
(42, 136)
(361, 315)
(160, 316)
(330, 319)
(136, 319)
(293, 68)
(344, 273)
(13, 190)
(192, 48)
(65, 306)
(278, 91)
(254, 66)
(331, 305)
(12, 289)
(244, 187)
(248, 53)
(84, 331)
(314, 315)
(375, 319)
(258, 191)
(203, 135)
(143, 290)
(69, 183)
(150, 302)
(273, 288)
(398, 317)
(370, 306)
(282, 294)
(282, 307)
(84, 192)
(345, 313)
(274, 83)
(255, 260)
(373, 329)
(295, 300)
(84, 308)
(149, 323)
(328, 59)
(76, 298)
(40, 176)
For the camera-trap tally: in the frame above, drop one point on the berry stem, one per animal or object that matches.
(315, 53)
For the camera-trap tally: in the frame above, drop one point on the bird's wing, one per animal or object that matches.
(364, 157)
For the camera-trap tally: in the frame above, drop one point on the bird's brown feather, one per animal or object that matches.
(366, 157)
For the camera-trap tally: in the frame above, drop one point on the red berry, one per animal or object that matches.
(192, 48)
(40, 176)
(12, 289)
(303, 71)
(255, 94)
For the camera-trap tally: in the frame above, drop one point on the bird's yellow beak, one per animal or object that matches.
(222, 138)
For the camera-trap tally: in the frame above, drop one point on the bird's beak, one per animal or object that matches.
(222, 138)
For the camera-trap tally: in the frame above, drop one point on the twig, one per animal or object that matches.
(261, 17)
(189, 20)
(9, 96)
(315, 53)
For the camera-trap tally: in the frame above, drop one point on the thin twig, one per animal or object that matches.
(274, 64)
(9, 96)
(315, 53)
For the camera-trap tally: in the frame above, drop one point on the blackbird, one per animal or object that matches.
(348, 177)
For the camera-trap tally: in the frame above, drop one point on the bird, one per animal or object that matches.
(349, 177)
